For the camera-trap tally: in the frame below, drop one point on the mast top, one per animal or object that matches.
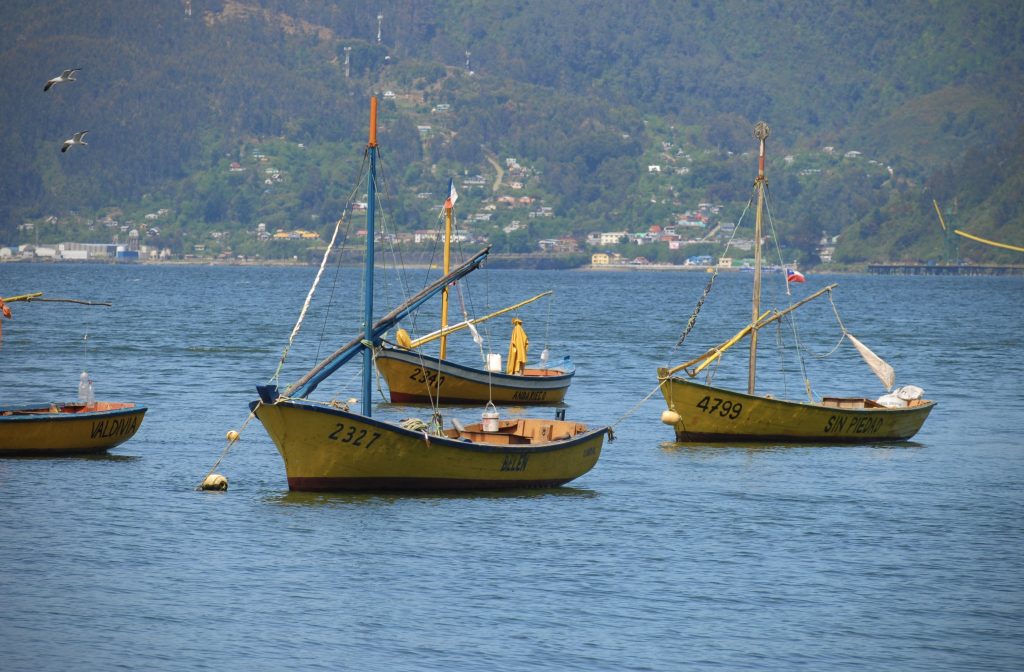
(373, 123)
(761, 132)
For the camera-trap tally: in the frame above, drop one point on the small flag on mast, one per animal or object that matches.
(452, 194)
(794, 276)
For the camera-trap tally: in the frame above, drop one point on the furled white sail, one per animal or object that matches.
(885, 373)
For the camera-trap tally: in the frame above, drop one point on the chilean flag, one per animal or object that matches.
(794, 276)
(452, 195)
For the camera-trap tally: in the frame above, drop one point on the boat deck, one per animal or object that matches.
(523, 431)
(858, 402)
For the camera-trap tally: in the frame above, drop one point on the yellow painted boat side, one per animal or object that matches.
(54, 434)
(416, 380)
(710, 414)
(326, 449)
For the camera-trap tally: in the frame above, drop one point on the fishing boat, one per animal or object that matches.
(414, 376)
(65, 428)
(328, 446)
(72, 428)
(700, 412)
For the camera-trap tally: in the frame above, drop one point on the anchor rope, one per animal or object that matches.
(638, 404)
(230, 442)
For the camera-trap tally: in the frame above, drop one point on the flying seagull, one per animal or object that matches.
(76, 139)
(66, 76)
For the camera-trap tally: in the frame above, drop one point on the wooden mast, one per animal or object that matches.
(449, 205)
(371, 202)
(761, 132)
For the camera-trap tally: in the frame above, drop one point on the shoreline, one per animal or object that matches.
(875, 268)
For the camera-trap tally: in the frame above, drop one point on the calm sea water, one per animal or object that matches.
(664, 557)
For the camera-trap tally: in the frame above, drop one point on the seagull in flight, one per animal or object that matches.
(66, 76)
(76, 139)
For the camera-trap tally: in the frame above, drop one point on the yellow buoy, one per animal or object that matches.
(214, 482)
(669, 417)
(232, 435)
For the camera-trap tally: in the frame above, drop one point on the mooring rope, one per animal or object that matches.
(231, 440)
(638, 404)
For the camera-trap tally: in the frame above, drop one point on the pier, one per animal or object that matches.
(944, 269)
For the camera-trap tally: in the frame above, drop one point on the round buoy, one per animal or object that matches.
(232, 435)
(214, 482)
(669, 417)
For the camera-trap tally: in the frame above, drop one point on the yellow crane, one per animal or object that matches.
(970, 236)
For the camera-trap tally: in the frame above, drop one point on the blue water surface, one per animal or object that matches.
(904, 556)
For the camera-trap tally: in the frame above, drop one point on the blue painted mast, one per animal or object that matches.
(373, 332)
(371, 202)
(308, 383)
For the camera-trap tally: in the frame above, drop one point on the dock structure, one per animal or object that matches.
(944, 269)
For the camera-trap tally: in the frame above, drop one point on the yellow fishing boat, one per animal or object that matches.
(332, 449)
(700, 412)
(328, 447)
(414, 376)
(72, 428)
(419, 378)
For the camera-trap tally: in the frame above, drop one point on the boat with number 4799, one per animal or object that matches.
(701, 412)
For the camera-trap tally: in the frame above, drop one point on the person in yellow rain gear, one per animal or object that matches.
(6, 312)
(517, 348)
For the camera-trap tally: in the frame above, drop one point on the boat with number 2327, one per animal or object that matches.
(326, 446)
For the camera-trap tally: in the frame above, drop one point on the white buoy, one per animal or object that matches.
(669, 417)
(214, 482)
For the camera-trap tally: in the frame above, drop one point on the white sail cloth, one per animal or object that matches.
(882, 369)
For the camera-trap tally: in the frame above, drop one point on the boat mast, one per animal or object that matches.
(761, 132)
(371, 202)
(448, 207)
(303, 387)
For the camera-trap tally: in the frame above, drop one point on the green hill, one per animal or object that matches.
(246, 113)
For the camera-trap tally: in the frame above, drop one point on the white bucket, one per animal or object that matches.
(494, 362)
(489, 419)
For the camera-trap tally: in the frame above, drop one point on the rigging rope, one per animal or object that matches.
(316, 282)
(842, 330)
(791, 320)
(707, 289)
(693, 316)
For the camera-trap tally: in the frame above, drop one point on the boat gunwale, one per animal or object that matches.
(24, 413)
(415, 357)
(921, 405)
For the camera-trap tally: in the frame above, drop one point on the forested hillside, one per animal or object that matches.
(254, 111)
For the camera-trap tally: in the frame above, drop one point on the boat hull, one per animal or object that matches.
(417, 378)
(327, 449)
(67, 429)
(709, 414)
